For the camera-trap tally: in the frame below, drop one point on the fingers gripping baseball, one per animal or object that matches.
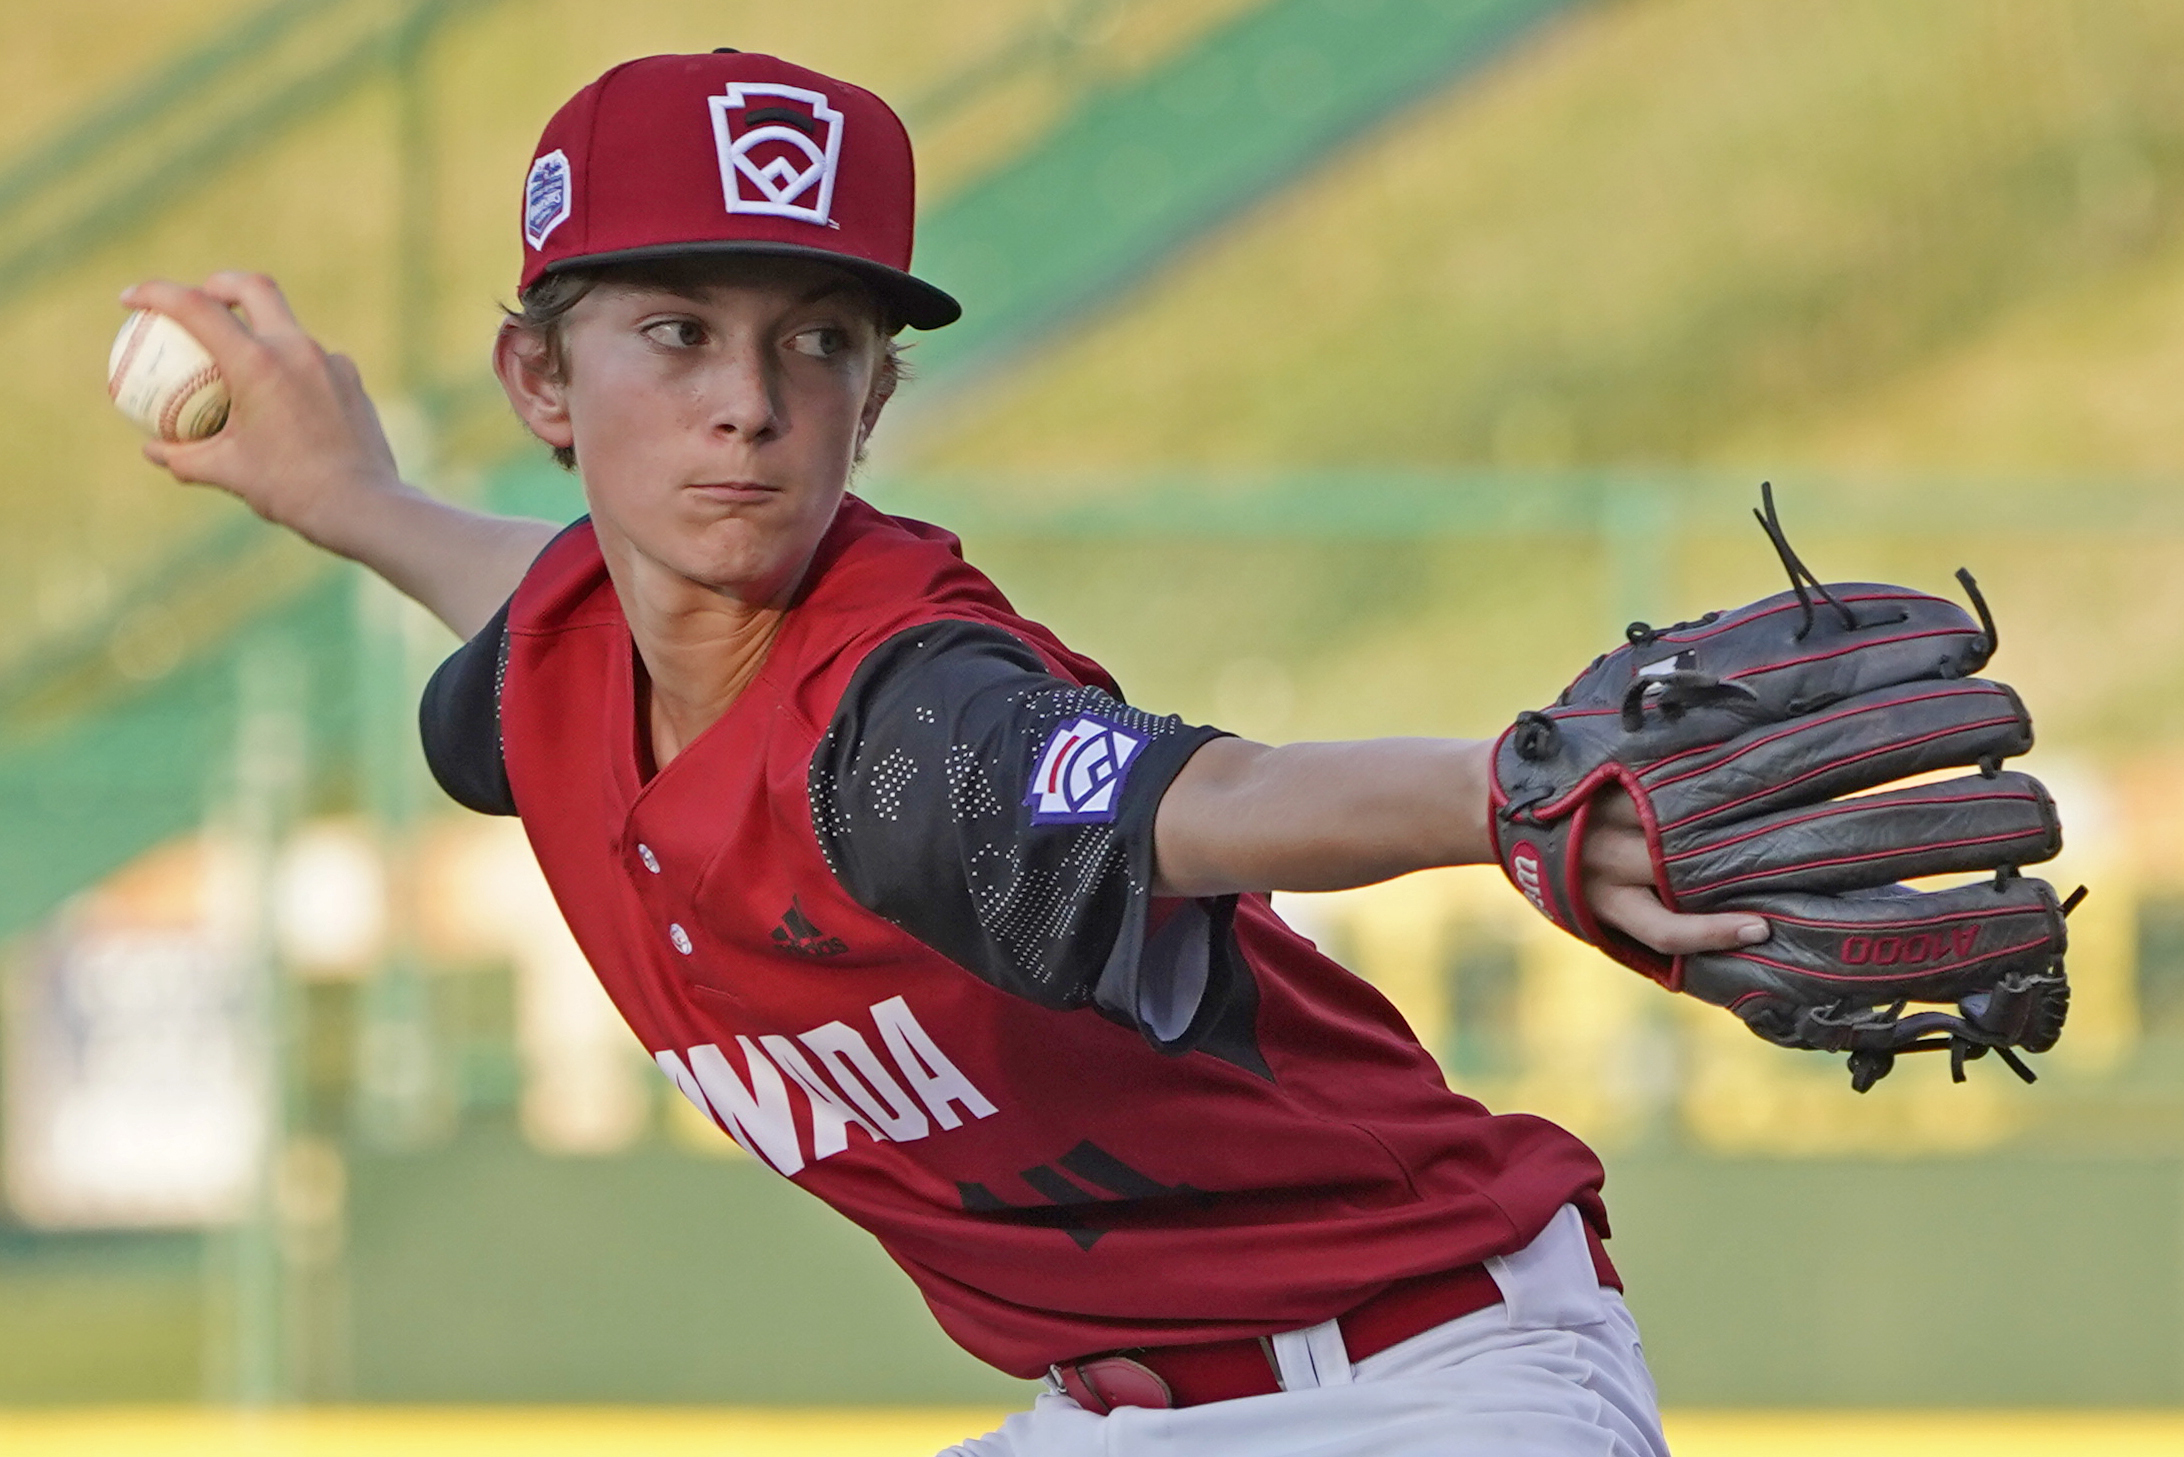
(303, 445)
(1618, 884)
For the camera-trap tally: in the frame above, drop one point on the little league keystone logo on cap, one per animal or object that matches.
(1080, 772)
(779, 148)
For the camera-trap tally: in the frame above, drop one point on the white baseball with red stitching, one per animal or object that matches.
(162, 378)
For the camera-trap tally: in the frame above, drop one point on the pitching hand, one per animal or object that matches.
(302, 445)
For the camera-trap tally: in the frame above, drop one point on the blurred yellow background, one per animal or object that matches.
(1331, 367)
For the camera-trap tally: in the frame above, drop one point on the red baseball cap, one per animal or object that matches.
(671, 156)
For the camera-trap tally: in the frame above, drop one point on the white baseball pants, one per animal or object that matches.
(1555, 1369)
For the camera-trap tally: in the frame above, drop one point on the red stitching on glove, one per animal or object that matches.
(1844, 976)
(1892, 928)
(1856, 647)
(1725, 624)
(1851, 805)
(1824, 768)
(1798, 726)
(1801, 865)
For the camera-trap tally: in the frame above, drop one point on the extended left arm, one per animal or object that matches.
(1242, 816)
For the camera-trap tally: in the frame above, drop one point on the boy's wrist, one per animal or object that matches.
(349, 519)
(1470, 833)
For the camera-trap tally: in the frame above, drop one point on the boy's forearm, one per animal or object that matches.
(460, 564)
(1243, 816)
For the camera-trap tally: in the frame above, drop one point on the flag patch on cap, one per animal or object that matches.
(779, 147)
(545, 198)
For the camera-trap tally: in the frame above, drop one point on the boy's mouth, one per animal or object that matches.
(733, 490)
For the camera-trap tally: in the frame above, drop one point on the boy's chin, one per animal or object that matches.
(736, 561)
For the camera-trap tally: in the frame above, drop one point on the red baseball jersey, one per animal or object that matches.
(890, 923)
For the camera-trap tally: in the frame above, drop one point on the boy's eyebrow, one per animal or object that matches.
(827, 288)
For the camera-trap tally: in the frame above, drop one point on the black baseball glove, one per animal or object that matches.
(1749, 741)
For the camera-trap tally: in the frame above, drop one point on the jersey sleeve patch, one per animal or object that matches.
(1004, 817)
(1077, 778)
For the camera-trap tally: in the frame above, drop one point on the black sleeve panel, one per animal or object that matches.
(459, 718)
(1004, 817)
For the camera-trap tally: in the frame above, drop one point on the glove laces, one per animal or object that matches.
(1800, 574)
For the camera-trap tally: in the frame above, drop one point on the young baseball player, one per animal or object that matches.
(896, 887)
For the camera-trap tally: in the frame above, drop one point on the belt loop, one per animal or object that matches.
(1314, 1356)
(1551, 1284)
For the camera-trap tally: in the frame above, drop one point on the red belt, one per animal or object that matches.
(1173, 1376)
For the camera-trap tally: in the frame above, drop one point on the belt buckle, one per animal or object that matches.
(1111, 1381)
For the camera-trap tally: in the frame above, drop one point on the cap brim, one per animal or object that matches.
(913, 301)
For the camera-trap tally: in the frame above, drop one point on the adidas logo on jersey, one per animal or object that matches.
(799, 937)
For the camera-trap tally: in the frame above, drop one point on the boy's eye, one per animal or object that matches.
(823, 342)
(678, 333)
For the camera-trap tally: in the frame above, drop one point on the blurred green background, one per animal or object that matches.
(1330, 367)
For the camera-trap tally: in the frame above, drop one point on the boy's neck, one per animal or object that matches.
(685, 686)
(696, 652)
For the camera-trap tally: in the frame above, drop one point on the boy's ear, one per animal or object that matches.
(535, 386)
(884, 380)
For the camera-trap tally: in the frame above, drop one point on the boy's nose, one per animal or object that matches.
(741, 393)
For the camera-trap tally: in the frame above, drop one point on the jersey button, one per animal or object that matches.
(679, 936)
(652, 861)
